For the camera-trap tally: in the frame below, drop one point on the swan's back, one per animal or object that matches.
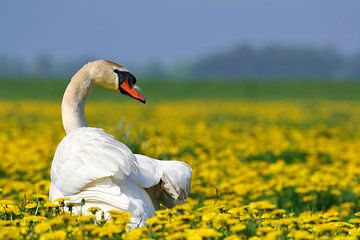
(87, 154)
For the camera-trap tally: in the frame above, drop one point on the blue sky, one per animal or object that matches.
(171, 31)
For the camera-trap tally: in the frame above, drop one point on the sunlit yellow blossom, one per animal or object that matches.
(301, 234)
(56, 235)
(202, 233)
(93, 210)
(40, 196)
(31, 205)
(33, 218)
(135, 234)
(308, 198)
(238, 227)
(51, 204)
(42, 227)
(355, 221)
(61, 200)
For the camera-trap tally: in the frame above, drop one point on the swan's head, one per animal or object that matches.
(115, 77)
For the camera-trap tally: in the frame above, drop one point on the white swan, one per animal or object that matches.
(92, 165)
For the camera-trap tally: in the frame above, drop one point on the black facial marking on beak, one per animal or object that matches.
(122, 75)
(126, 85)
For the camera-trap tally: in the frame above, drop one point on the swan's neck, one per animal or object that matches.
(72, 107)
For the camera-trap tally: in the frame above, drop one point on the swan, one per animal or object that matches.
(91, 166)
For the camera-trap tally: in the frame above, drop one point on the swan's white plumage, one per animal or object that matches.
(92, 165)
(88, 154)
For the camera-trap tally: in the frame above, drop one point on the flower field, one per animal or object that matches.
(261, 170)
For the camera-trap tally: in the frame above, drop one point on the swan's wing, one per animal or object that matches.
(86, 155)
(148, 172)
(172, 177)
(175, 182)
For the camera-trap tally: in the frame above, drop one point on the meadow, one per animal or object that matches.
(271, 160)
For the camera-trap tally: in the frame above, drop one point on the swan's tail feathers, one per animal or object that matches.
(166, 182)
(175, 183)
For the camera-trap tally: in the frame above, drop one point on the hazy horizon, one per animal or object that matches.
(169, 32)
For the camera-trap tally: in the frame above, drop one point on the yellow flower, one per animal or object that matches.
(93, 210)
(51, 204)
(136, 234)
(152, 221)
(355, 221)
(31, 205)
(208, 216)
(301, 234)
(325, 228)
(6, 202)
(200, 233)
(40, 196)
(62, 199)
(33, 218)
(238, 227)
(309, 198)
(56, 235)
(42, 227)
(234, 237)
(117, 213)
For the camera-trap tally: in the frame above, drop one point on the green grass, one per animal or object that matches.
(163, 90)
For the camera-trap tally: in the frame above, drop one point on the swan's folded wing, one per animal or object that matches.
(173, 178)
(148, 172)
(175, 182)
(86, 155)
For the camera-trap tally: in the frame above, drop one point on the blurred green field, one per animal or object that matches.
(163, 90)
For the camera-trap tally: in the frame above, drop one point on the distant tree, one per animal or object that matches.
(352, 68)
(275, 62)
(44, 65)
(153, 69)
(10, 66)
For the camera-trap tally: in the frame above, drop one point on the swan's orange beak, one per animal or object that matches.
(127, 88)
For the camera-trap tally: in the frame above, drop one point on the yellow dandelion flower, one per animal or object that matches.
(209, 216)
(56, 235)
(201, 233)
(309, 198)
(52, 204)
(40, 196)
(136, 234)
(238, 227)
(301, 234)
(62, 199)
(31, 218)
(93, 210)
(234, 237)
(355, 221)
(42, 227)
(31, 205)
(152, 221)
(6, 202)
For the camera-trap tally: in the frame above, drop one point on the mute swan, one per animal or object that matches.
(92, 165)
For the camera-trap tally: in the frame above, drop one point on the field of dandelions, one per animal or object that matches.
(261, 170)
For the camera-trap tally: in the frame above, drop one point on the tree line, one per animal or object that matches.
(241, 62)
(274, 62)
